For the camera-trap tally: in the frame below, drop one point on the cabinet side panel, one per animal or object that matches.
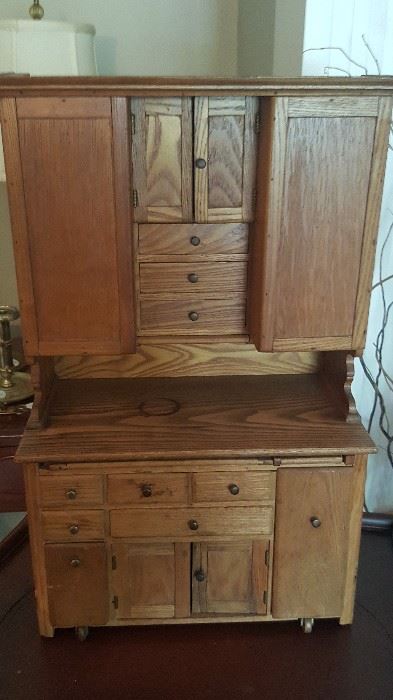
(327, 174)
(310, 562)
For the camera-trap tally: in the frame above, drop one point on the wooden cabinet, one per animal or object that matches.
(230, 577)
(311, 541)
(68, 178)
(193, 223)
(319, 188)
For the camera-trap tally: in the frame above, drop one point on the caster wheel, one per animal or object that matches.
(307, 624)
(82, 633)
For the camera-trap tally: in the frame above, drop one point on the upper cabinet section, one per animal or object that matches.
(67, 164)
(321, 167)
(194, 159)
(162, 159)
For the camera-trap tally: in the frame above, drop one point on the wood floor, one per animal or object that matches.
(203, 661)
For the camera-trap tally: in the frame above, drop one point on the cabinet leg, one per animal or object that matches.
(82, 633)
(307, 624)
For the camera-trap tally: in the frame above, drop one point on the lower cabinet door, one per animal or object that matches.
(151, 580)
(77, 584)
(230, 577)
(313, 508)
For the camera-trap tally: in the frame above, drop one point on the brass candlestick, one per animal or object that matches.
(14, 386)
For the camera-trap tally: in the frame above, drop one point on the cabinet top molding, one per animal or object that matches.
(16, 86)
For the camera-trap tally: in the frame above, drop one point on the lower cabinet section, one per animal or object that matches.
(77, 584)
(230, 577)
(313, 510)
(151, 580)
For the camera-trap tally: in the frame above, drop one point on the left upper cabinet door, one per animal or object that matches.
(68, 175)
(162, 159)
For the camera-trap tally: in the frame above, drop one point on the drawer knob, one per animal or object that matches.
(147, 490)
(200, 163)
(192, 277)
(193, 524)
(315, 522)
(194, 240)
(234, 489)
(71, 494)
(193, 315)
(75, 562)
(74, 529)
(200, 575)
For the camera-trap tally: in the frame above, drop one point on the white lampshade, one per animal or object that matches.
(45, 48)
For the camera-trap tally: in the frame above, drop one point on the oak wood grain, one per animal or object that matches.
(56, 525)
(128, 489)
(55, 492)
(193, 278)
(216, 487)
(158, 239)
(98, 419)
(215, 316)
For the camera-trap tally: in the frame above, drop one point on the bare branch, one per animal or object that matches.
(372, 54)
(338, 48)
(328, 68)
(385, 279)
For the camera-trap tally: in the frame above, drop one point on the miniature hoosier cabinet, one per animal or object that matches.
(194, 262)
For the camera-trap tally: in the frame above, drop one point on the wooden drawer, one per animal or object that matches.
(71, 491)
(179, 522)
(233, 486)
(78, 525)
(193, 277)
(215, 316)
(169, 239)
(144, 489)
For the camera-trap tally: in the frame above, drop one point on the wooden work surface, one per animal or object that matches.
(194, 417)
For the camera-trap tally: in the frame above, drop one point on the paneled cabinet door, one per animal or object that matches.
(151, 580)
(321, 165)
(68, 179)
(162, 159)
(313, 512)
(230, 577)
(77, 584)
(225, 134)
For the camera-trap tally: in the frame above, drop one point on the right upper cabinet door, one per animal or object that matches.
(224, 158)
(321, 168)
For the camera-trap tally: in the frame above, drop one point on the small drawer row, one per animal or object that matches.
(85, 525)
(59, 491)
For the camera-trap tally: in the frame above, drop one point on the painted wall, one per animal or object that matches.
(288, 37)
(341, 24)
(256, 37)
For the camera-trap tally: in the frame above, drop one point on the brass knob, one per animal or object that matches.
(200, 575)
(71, 494)
(194, 240)
(74, 529)
(192, 277)
(200, 163)
(315, 522)
(147, 490)
(193, 524)
(234, 489)
(75, 562)
(193, 316)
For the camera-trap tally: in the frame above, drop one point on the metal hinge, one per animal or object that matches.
(257, 122)
(114, 562)
(254, 198)
(115, 602)
(132, 123)
(267, 557)
(265, 597)
(134, 198)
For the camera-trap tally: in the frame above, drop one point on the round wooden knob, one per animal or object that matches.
(74, 529)
(200, 575)
(234, 489)
(75, 562)
(192, 277)
(315, 522)
(71, 494)
(200, 163)
(195, 240)
(147, 490)
(193, 524)
(193, 315)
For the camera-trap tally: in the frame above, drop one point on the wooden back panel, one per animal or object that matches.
(70, 175)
